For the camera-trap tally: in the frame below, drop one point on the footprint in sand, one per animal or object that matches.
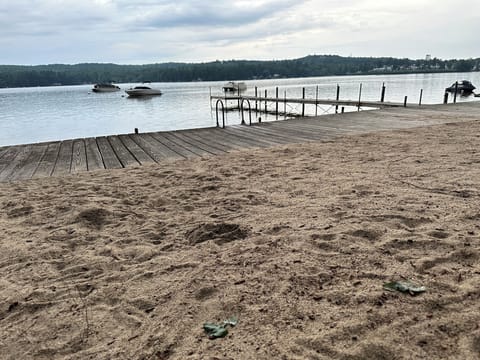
(94, 218)
(221, 233)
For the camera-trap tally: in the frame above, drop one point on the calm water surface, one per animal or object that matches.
(29, 115)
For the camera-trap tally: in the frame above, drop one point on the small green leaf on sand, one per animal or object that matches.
(404, 287)
(215, 331)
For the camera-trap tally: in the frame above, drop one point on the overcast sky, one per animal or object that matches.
(156, 31)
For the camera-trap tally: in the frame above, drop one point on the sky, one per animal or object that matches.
(155, 31)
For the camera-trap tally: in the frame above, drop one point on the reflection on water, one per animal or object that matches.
(142, 98)
(41, 114)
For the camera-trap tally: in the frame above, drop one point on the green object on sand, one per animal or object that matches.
(215, 331)
(404, 287)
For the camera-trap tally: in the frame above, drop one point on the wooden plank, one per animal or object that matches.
(25, 169)
(289, 136)
(110, 159)
(172, 145)
(323, 131)
(140, 155)
(307, 132)
(253, 133)
(165, 150)
(79, 156)
(231, 141)
(189, 145)
(153, 148)
(220, 139)
(64, 159)
(294, 135)
(47, 163)
(16, 162)
(123, 154)
(239, 142)
(3, 150)
(94, 157)
(8, 156)
(197, 141)
(324, 127)
(251, 137)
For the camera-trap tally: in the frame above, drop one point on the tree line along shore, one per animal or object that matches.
(309, 66)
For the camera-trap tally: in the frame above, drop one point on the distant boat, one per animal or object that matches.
(105, 88)
(463, 86)
(232, 86)
(143, 91)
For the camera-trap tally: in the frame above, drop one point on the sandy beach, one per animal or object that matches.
(295, 241)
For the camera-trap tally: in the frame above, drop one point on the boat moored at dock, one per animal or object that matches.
(233, 86)
(105, 87)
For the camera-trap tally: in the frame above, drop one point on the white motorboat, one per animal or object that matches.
(233, 86)
(104, 87)
(143, 91)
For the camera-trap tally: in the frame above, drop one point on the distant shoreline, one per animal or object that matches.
(310, 66)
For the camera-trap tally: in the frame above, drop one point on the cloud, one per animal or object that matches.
(143, 31)
(195, 13)
(38, 18)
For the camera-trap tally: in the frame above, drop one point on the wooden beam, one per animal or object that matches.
(123, 154)
(94, 157)
(63, 164)
(79, 156)
(110, 159)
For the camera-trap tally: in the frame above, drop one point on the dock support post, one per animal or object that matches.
(316, 100)
(265, 104)
(343, 109)
(421, 95)
(256, 102)
(303, 103)
(337, 98)
(285, 104)
(455, 96)
(359, 96)
(445, 98)
(405, 101)
(382, 97)
(276, 102)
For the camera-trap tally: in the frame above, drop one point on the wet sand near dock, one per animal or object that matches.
(295, 241)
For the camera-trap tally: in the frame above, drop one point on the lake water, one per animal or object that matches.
(29, 115)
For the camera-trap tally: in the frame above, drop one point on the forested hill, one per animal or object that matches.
(314, 65)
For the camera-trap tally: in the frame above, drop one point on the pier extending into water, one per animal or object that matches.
(278, 105)
(61, 158)
(246, 103)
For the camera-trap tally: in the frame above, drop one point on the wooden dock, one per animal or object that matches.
(61, 158)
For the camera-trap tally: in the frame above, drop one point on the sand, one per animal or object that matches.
(296, 241)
